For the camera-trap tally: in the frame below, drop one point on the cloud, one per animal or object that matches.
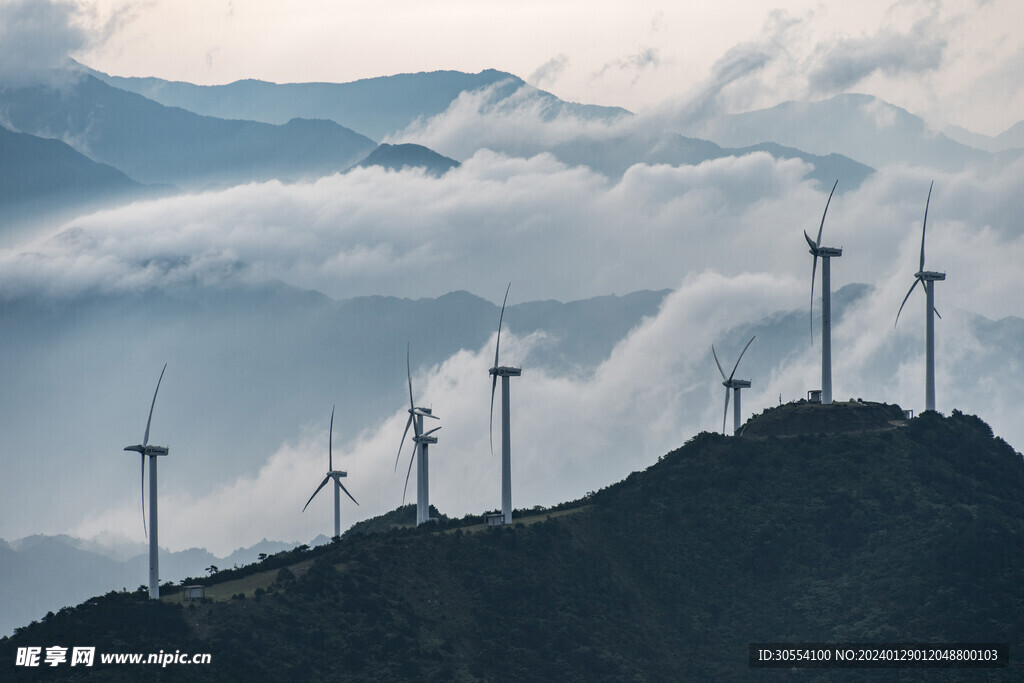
(648, 57)
(843, 64)
(734, 81)
(549, 72)
(38, 37)
(408, 234)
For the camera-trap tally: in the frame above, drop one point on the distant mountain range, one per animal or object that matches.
(614, 155)
(273, 351)
(152, 143)
(860, 127)
(41, 176)
(374, 106)
(44, 573)
(129, 132)
(1011, 139)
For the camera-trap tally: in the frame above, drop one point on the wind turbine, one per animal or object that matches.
(504, 372)
(420, 453)
(336, 475)
(735, 385)
(826, 254)
(144, 449)
(927, 278)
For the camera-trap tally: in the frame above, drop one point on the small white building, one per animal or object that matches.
(814, 396)
(494, 519)
(194, 592)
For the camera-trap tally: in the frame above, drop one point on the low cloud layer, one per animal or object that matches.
(559, 232)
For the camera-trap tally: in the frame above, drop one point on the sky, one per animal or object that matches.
(724, 236)
(947, 61)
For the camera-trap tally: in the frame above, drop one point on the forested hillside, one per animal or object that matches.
(904, 534)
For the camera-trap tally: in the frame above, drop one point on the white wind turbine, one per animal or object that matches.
(336, 475)
(928, 279)
(736, 385)
(420, 453)
(826, 254)
(504, 372)
(144, 449)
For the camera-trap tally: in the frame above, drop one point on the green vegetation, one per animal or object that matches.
(906, 534)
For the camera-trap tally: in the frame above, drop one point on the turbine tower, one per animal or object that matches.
(420, 452)
(826, 254)
(504, 372)
(736, 385)
(927, 278)
(144, 449)
(336, 475)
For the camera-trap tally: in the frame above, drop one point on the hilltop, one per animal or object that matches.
(909, 534)
(839, 417)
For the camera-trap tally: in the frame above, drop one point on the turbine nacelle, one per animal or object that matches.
(736, 384)
(148, 450)
(337, 473)
(505, 371)
(425, 439)
(929, 275)
(425, 412)
(831, 252)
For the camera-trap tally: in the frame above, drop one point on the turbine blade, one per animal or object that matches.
(326, 479)
(494, 383)
(916, 280)
(822, 226)
(145, 438)
(937, 312)
(924, 223)
(431, 431)
(741, 356)
(810, 242)
(497, 342)
(402, 442)
(725, 413)
(330, 440)
(415, 454)
(720, 370)
(342, 487)
(408, 373)
(144, 529)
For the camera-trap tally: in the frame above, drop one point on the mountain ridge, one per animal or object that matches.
(153, 143)
(669, 574)
(395, 101)
(43, 178)
(862, 127)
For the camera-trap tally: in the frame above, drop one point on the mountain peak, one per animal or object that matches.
(844, 417)
(408, 155)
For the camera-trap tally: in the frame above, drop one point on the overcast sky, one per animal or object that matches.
(947, 60)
